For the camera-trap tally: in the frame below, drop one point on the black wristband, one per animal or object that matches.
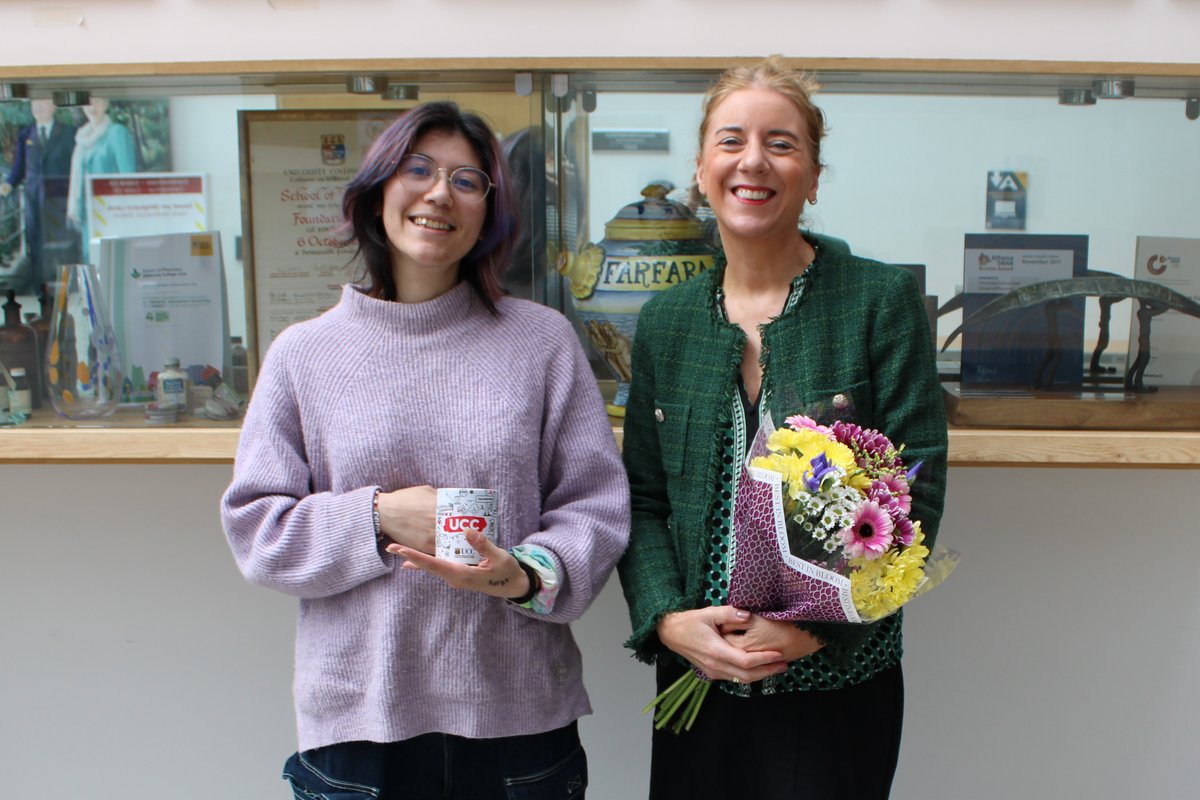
(535, 584)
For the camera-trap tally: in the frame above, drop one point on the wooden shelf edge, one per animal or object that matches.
(969, 447)
(999, 447)
(118, 445)
(585, 63)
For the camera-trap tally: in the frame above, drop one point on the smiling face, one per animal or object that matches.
(755, 165)
(431, 231)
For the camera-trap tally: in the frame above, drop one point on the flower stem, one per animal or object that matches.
(672, 704)
(670, 689)
(697, 701)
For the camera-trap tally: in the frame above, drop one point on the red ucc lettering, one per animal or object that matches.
(463, 524)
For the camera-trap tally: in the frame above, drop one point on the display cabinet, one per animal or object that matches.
(1103, 151)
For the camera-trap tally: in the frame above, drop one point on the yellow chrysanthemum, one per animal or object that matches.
(881, 586)
(797, 449)
(791, 467)
(859, 480)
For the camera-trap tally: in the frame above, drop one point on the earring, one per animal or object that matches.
(812, 202)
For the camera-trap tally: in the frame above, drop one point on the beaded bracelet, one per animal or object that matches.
(380, 539)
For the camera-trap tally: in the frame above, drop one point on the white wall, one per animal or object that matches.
(201, 30)
(1057, 662)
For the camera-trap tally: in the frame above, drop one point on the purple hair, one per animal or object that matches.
(483, 266)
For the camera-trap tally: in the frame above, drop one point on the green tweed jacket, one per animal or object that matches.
(856, 347)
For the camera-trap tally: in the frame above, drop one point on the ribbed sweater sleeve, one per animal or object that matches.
(585, 505)
(278, 528)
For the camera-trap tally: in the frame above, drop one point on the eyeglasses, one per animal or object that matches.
(420, 173)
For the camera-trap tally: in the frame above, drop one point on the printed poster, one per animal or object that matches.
(1007, 195)
(1015, 348)
(168, 301)
(139, 204)
(299, 163)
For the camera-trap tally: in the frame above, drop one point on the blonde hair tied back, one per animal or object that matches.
(771, 73)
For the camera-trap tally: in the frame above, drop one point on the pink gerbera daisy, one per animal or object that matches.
(800, 422)
(870, 534)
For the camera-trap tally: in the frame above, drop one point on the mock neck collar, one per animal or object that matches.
(443, 312)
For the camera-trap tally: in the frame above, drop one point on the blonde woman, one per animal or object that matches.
(792, 323)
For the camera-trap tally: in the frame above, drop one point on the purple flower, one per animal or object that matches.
(822, 471)
(904, 531)
(846, 432)
(897, 488)
(911, 475)
(870, 533)
(883, 497)
(870, 446)
(895, 484)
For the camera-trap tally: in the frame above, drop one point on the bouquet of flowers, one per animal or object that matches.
(822, 533)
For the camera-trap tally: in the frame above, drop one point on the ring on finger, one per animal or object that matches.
(735, 679)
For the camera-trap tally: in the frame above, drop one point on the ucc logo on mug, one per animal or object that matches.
(463, 524)
(460, 511)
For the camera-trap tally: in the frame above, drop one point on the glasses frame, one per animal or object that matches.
(449, 173)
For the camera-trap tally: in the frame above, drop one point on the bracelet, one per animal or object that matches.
(380, 539)
(535, 584)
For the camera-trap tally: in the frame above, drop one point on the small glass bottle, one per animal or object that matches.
(18, 344)
(240, 371)
(172, 387)
(41, 329)
(20, 399)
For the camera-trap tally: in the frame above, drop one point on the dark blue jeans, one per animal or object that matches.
(436, 766)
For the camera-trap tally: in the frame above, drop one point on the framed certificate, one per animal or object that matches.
(295, 166)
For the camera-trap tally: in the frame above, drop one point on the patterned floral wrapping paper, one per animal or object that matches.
(765, 578)
(847, 575)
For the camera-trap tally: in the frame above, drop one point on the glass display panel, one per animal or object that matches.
(195, 132)
(909, 177)
(914, 164)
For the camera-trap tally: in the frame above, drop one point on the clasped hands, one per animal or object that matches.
(407, 517)
(732, 644)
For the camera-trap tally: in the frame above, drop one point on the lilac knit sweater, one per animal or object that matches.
(381, 394)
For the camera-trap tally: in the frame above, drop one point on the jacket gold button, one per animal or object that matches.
(659, 415)
(840, 401)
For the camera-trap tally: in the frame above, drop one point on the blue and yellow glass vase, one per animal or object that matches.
(83, 364)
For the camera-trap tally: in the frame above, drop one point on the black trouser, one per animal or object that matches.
(841, 744)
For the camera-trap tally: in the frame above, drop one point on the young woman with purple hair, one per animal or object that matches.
(415, 676)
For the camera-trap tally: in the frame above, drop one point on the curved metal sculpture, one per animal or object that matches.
(1152, 298)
